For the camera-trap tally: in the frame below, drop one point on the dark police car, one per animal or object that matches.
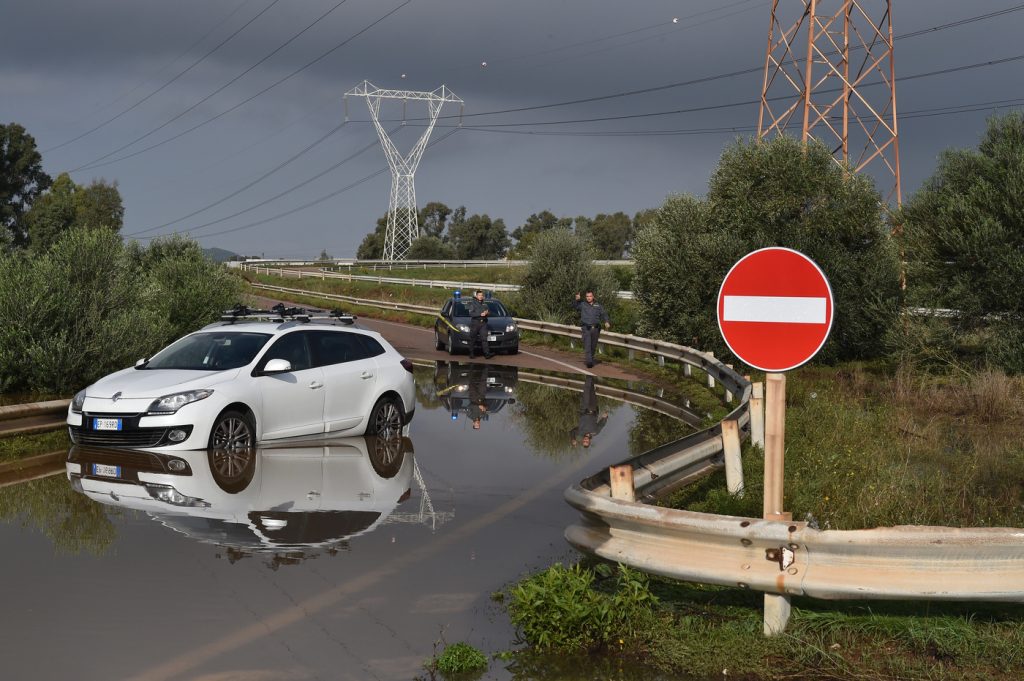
(451, 328)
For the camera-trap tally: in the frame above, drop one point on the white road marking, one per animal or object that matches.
(556, 361)
(792, 310)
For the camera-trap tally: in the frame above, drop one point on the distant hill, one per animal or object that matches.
(219, 254)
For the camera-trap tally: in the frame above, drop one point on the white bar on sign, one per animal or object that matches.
(787, 309)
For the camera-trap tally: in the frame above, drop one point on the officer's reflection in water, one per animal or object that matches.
(591, 422)
(478, 394)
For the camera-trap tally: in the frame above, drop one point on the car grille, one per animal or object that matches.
(140, 437)
(130, 434)
(141, 462)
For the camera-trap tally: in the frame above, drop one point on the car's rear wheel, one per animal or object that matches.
(438, 343)
(385, 419)
(233, 430)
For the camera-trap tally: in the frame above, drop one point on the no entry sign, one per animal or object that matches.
(775, 309)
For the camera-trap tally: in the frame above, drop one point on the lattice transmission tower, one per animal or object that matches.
(403, 224)
(831, 71)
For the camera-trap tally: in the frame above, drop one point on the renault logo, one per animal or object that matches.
(116, 396)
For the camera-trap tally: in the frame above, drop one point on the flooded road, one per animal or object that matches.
(340, 559)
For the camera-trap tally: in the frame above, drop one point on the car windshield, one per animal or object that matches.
(495, 308)
(214, 351)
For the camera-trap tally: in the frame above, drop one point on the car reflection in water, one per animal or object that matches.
(475, 390)
(288, 500)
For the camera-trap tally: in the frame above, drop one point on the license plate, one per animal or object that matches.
(491, 338)
(106, 424)
(105, 470)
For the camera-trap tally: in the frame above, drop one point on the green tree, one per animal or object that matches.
(51, 214)
(964, 239)
(561, 266)
(478, 238)
(776, 193)
(69, 206)
(372, 247)
(430, 248)
(433, 219)
(609, 235)
(99, 204)
(538, 223)
(21, 180)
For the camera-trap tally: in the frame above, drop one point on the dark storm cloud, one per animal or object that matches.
(67, 67)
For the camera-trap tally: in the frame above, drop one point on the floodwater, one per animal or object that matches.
(350, 558)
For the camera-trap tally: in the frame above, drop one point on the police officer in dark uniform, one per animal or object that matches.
(592, 314)
(477, 394)
(592, 420)
(478, 312)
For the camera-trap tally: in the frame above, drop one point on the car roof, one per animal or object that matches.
(275, 328)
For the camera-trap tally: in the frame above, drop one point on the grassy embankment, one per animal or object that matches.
(866, 446)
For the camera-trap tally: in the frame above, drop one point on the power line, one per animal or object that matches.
(722, 76)
(238, 191)
(280, 47)
(249, 99)
(315, 201)
(176, 77)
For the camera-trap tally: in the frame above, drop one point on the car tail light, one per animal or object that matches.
(407, 365)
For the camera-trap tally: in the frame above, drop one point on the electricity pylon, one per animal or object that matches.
(403, 225)
(839, 81)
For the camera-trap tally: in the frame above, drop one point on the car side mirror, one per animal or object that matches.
(142, 363)
(277, 366)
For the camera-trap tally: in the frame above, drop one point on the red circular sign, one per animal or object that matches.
(775, 309)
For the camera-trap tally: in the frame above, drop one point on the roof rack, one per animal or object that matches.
(280, 313)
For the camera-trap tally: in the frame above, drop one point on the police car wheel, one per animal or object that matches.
(514, 350)
(438, 343)
(451, 345)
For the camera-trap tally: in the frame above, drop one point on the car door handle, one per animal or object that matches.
(315, 384)
(366, 374)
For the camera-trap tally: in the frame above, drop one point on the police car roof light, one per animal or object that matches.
(457, 294)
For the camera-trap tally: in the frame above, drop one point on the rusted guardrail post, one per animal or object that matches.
(728, 393)
(733, 462)
(711, 379)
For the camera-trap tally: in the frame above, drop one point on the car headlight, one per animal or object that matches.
(464, 328)
(169, 495)
(78, 401)
(168, 404)
(511, 327)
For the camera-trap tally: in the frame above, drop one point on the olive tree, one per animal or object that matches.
(775, 193)
(561, 266)
(964, 238)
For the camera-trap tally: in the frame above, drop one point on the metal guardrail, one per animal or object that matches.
(400, 281)
(773, 556)
(17, 411)
(401, 264)
(734, 384)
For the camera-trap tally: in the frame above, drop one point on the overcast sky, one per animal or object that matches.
(99, 82)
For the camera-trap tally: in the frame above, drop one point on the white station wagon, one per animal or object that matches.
(232, 385)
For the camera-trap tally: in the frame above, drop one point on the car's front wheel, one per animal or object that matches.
(385, 419)
(233, 430)
(451, 345)
(514, 350)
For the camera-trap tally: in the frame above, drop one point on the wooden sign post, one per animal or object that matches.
(775, 311)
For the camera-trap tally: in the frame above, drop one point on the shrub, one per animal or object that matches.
(561, 610)
(460, 658)
(561, 265)
(964, 238)
(777, 193)
(97, 306)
